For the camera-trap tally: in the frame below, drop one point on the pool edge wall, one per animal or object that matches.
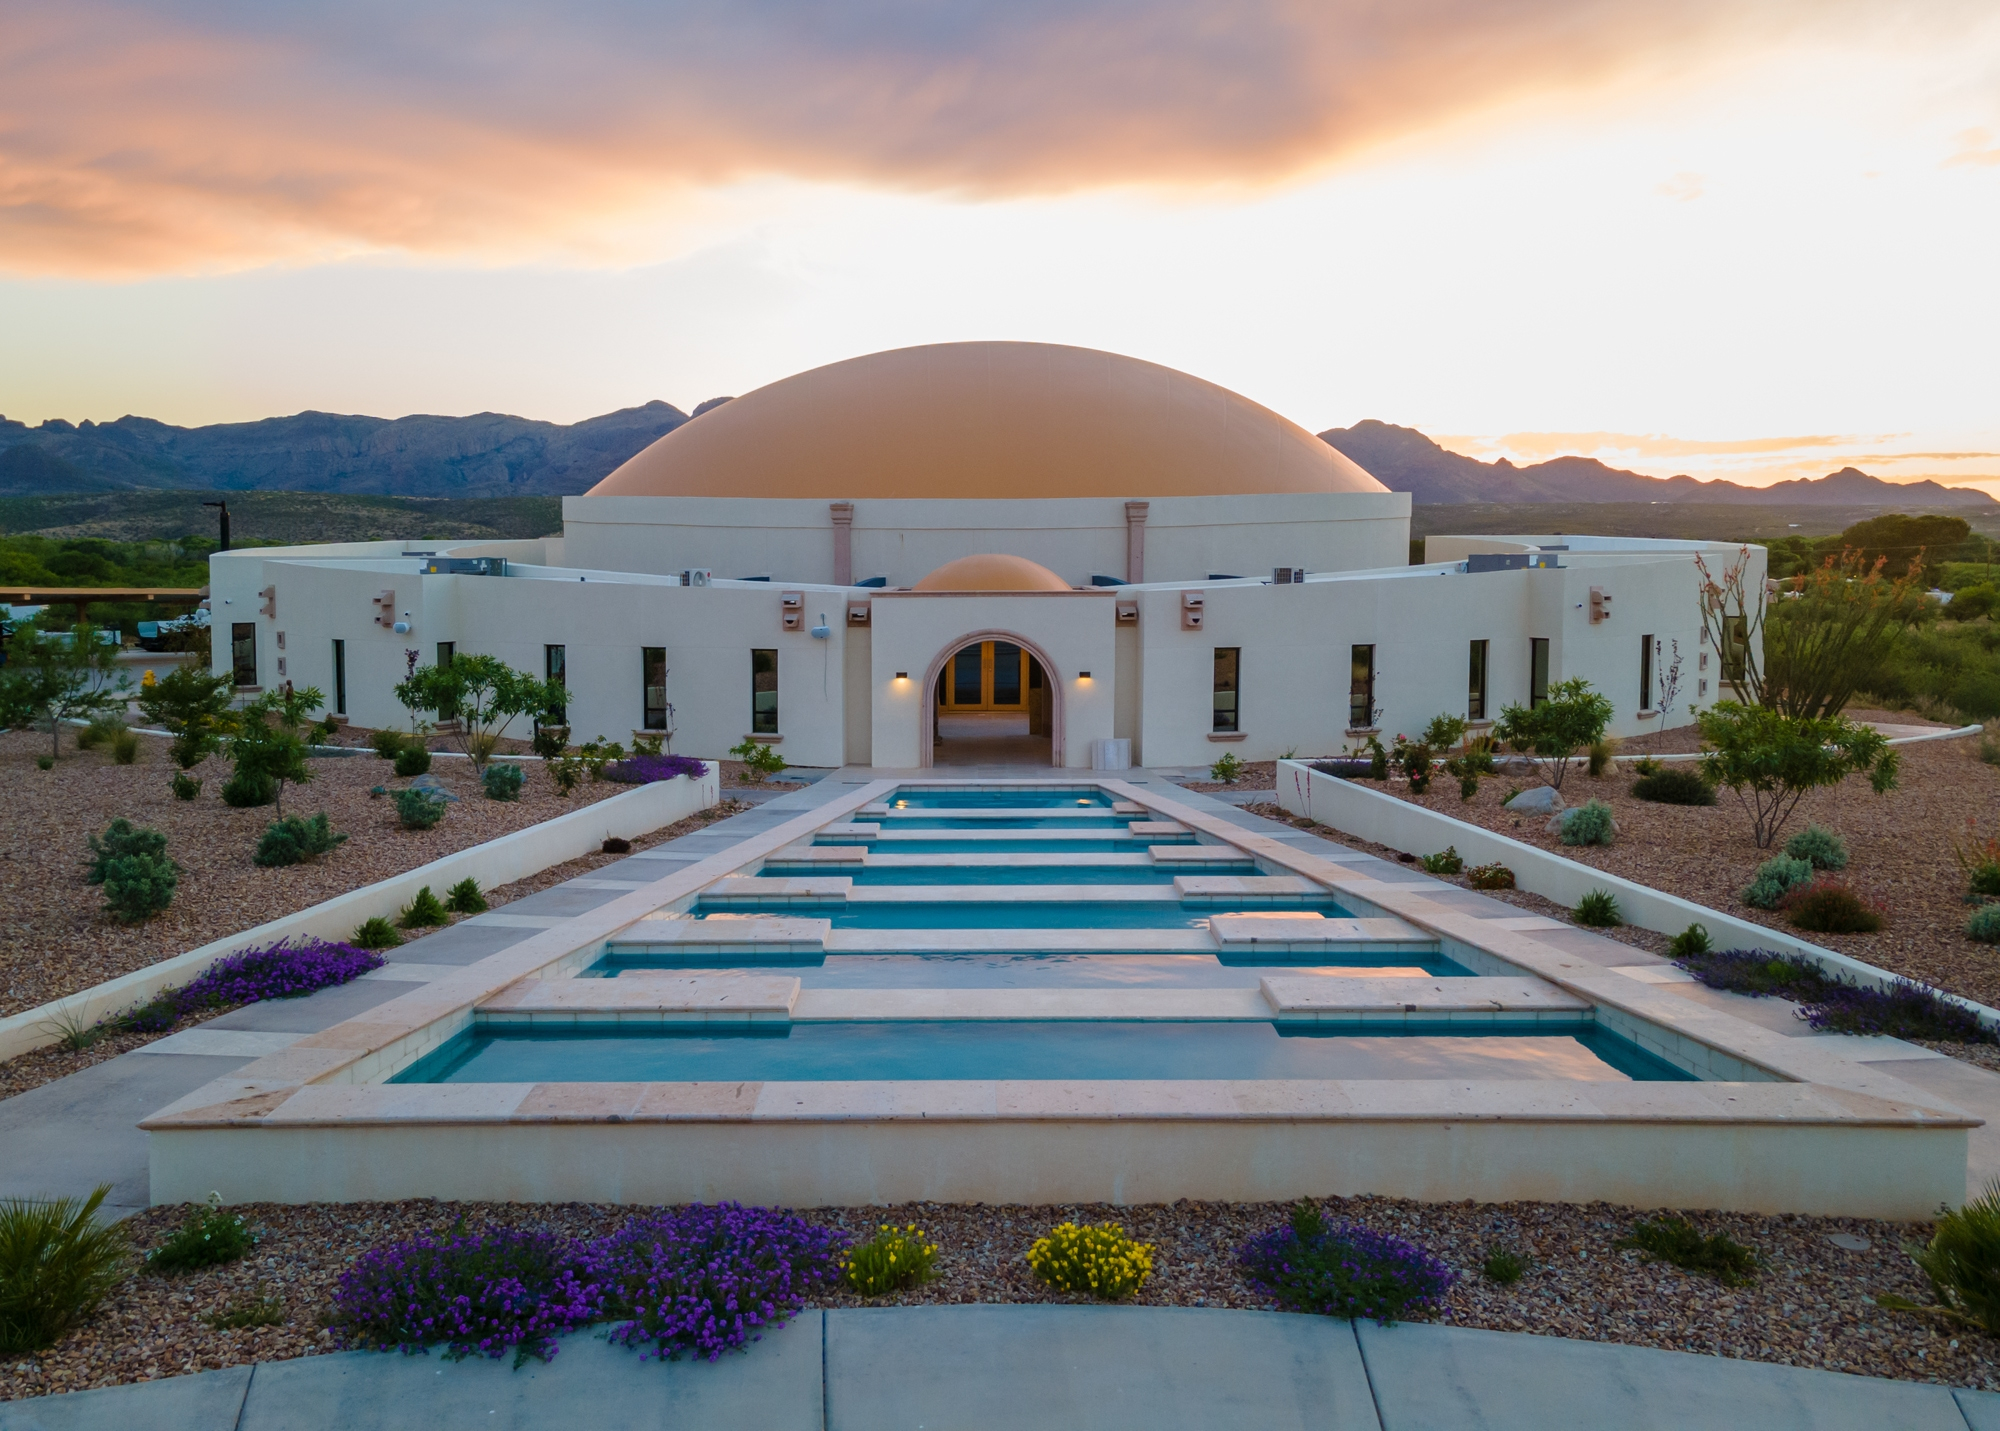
(1899, 1171)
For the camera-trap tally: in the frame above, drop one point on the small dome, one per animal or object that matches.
(992, 571)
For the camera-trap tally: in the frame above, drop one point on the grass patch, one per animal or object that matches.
(1504, 1267)
(207, 1237)
(1676, 1240)
(1598, 910)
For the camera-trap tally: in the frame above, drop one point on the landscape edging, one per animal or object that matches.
(1416, 830)
(496, 862)
(1941, 734)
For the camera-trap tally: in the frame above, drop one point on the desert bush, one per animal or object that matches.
(1772, 761)
(375, 932)
(1504, 1267)
(1494, 876)
(420, 809)
(1598, 910)
(137, 887)
(45, 762)
(1774, 879)
(1690, 942)
(387, 743)
(248, 789)
(1820, 847)
(1227, 770)
(1673, 785)
(294, 840)
(424, 912)
(465, 898)
(1648, 765)
(550, 741)
(1962, 1264)
(56, 1265)
(100, 731)
(1446, 861)
(412, 760)
(266, 1309)
(1979, 857)
(1602, 757)
(567, 773)
(893, 1259)
(207, 1237)
(1097, 1258)
(1572, 718)
(760, 761)
(502, 782)
(1416, 759)
(124, 746)
(185, 786)
(1588, 824)
(1826, 906)
(1676, 1240)
(1344, 1270)
(121, 837)
(1984, 925)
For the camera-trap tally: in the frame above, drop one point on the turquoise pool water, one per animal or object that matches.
(1147, 873)
(1027, 844)
(1032, 971)
(1029, 914)
(1111, 1049)
(1022, 822)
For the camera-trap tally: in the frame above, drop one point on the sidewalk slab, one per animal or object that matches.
(589, 1384)
(206, 1401)
(1430, 1378)
(1030, 1368)
(1981, 1409)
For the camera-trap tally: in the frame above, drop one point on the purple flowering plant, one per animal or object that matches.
(645, 769)
(1344, 1270)
(1903, 1009)
(284, 970)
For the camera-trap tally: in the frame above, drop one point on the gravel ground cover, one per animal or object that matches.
(1810, 1305)
(57, 940)
(1900, 846)
(46, 1065)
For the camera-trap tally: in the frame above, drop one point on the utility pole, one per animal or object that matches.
(225, 521)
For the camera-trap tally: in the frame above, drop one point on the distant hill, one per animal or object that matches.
(487, 455)
(1404, 460)
(287, 517)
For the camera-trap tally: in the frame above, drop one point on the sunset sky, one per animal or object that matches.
(1746, 238)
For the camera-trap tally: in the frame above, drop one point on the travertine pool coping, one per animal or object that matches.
(1786, 1124)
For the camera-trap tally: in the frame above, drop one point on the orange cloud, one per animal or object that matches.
(204, 134)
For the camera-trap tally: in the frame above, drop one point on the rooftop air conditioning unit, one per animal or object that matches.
(696, 576)
(1286, 575)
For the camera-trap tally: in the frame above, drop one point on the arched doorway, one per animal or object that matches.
(992, 698)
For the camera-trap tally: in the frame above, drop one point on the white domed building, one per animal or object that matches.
(979, 552)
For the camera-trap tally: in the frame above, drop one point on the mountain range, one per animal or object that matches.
(494, 455)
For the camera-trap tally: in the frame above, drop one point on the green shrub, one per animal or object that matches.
(567, 773)
(137, 887)
(1647, 765)
(186, 787)
(207, 1237)
(101, 731)
(1673, 785)
(1690, 943)
(420, 809)
(465, 898)
(1097, 1258)
(550, 741)
(1468, 787)
(1494, 876)
(1446, 861)
(45, 762)
(893, 1259)
(1676, 1240)
(1598, 910)
(1819, 847)
(413, 760)
(1984, 925)
(1774, 879)
(424, 912)
(56, 1265)
(1980, 859)
(1602, 757)
(1962, 1264)
(1226, 770)
(1989, 742)
(293, 841)
(1826, 906)
(1588, 824)
(267, 1309)
(248, 789)
(121, 837)
(387, 742)
(124, 746)
(1504, 1267)
(502, 782)
(375, 933)
(760, 760)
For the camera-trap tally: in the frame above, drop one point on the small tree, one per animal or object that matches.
(1670, 678)
(269, 742)
(1572, 718)
(58, 676)
(195, 706)
(485, 694)
(1771, 759)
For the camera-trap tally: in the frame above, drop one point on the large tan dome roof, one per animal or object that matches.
(992, 571)
(985, 420)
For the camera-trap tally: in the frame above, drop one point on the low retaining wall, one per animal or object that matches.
(497, 862)
(1354, 809)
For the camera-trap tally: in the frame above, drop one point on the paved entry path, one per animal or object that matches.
(1038, 1369)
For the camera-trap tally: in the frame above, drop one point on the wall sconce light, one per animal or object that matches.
(1083, 675)
(902, 675)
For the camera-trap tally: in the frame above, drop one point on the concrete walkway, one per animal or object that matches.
(986, 1368)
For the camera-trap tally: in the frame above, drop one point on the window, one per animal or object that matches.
(764, 692)
(1361, 689)
(1228, 664)
(1475, 686)
(340, 678)
(447, 651)
(1538, 670)
(243, 651)
(1735, 647)
(1645, 673)
(555, 670)
(653, 677)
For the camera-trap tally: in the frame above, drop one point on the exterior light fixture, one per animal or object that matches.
(902, 675)
(1083, 675)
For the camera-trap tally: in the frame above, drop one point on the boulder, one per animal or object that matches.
(1542, 797)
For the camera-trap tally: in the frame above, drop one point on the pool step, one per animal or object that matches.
(738, 937)
(943, 812)
(778, 938)
(790, 889)
(819, 855)
(1157, 829)
(1514, 1000)
(646, 997)
(1244, 888)
(891, 836)
(1196, 856)
(1306, 932)
(850, 831)
(968, 861)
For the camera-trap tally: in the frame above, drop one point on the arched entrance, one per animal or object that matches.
(992, 698)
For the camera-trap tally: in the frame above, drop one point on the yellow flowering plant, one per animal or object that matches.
(1099, 1259)
(893, 1259)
